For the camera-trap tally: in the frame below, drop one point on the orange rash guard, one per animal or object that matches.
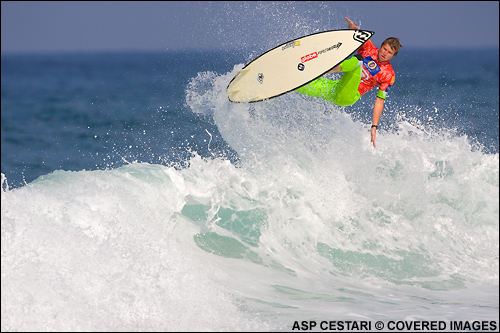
(375, 73)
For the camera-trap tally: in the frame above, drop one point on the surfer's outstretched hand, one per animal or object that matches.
(351, 24)
(374, 134)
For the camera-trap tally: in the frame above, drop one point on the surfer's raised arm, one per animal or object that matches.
(351, 24)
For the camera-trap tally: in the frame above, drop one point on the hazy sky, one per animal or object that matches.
(42, 26)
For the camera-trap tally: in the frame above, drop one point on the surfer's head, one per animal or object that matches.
(389, 49)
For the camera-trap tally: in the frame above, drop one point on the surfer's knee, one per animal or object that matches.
(351, 63)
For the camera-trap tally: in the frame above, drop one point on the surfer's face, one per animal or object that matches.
(385, 53)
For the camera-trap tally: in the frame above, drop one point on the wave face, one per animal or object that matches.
(309, 222)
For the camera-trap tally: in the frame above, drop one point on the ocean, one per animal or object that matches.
(136, 197)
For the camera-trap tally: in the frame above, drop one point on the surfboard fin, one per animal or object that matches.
(241, 70)
(232, 94)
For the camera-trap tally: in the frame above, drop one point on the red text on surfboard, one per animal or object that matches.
(309, 57)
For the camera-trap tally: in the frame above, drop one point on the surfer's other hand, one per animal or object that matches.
(351, 24)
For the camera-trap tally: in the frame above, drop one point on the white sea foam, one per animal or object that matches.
(312, 223)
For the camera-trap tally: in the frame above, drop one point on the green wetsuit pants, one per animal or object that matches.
(343, 92)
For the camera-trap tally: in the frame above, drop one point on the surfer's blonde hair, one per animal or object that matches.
(393, 42)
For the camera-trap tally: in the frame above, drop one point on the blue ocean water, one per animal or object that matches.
(135, 196)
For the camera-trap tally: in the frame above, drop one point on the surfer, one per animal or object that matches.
(371, 67)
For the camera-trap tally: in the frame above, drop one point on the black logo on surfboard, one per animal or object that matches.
(260, 78)
(361, 36)
(301, 67)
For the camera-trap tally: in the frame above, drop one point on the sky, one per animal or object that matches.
(89, 26)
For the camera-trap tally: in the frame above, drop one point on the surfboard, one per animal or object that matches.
(293, 64)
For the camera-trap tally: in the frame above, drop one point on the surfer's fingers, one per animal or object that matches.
(351, 24)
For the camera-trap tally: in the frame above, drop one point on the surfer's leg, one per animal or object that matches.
(343, 92)
(350, 64)
(319, 88)
(346, 92)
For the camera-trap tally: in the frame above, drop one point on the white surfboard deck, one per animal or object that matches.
(293, 64)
